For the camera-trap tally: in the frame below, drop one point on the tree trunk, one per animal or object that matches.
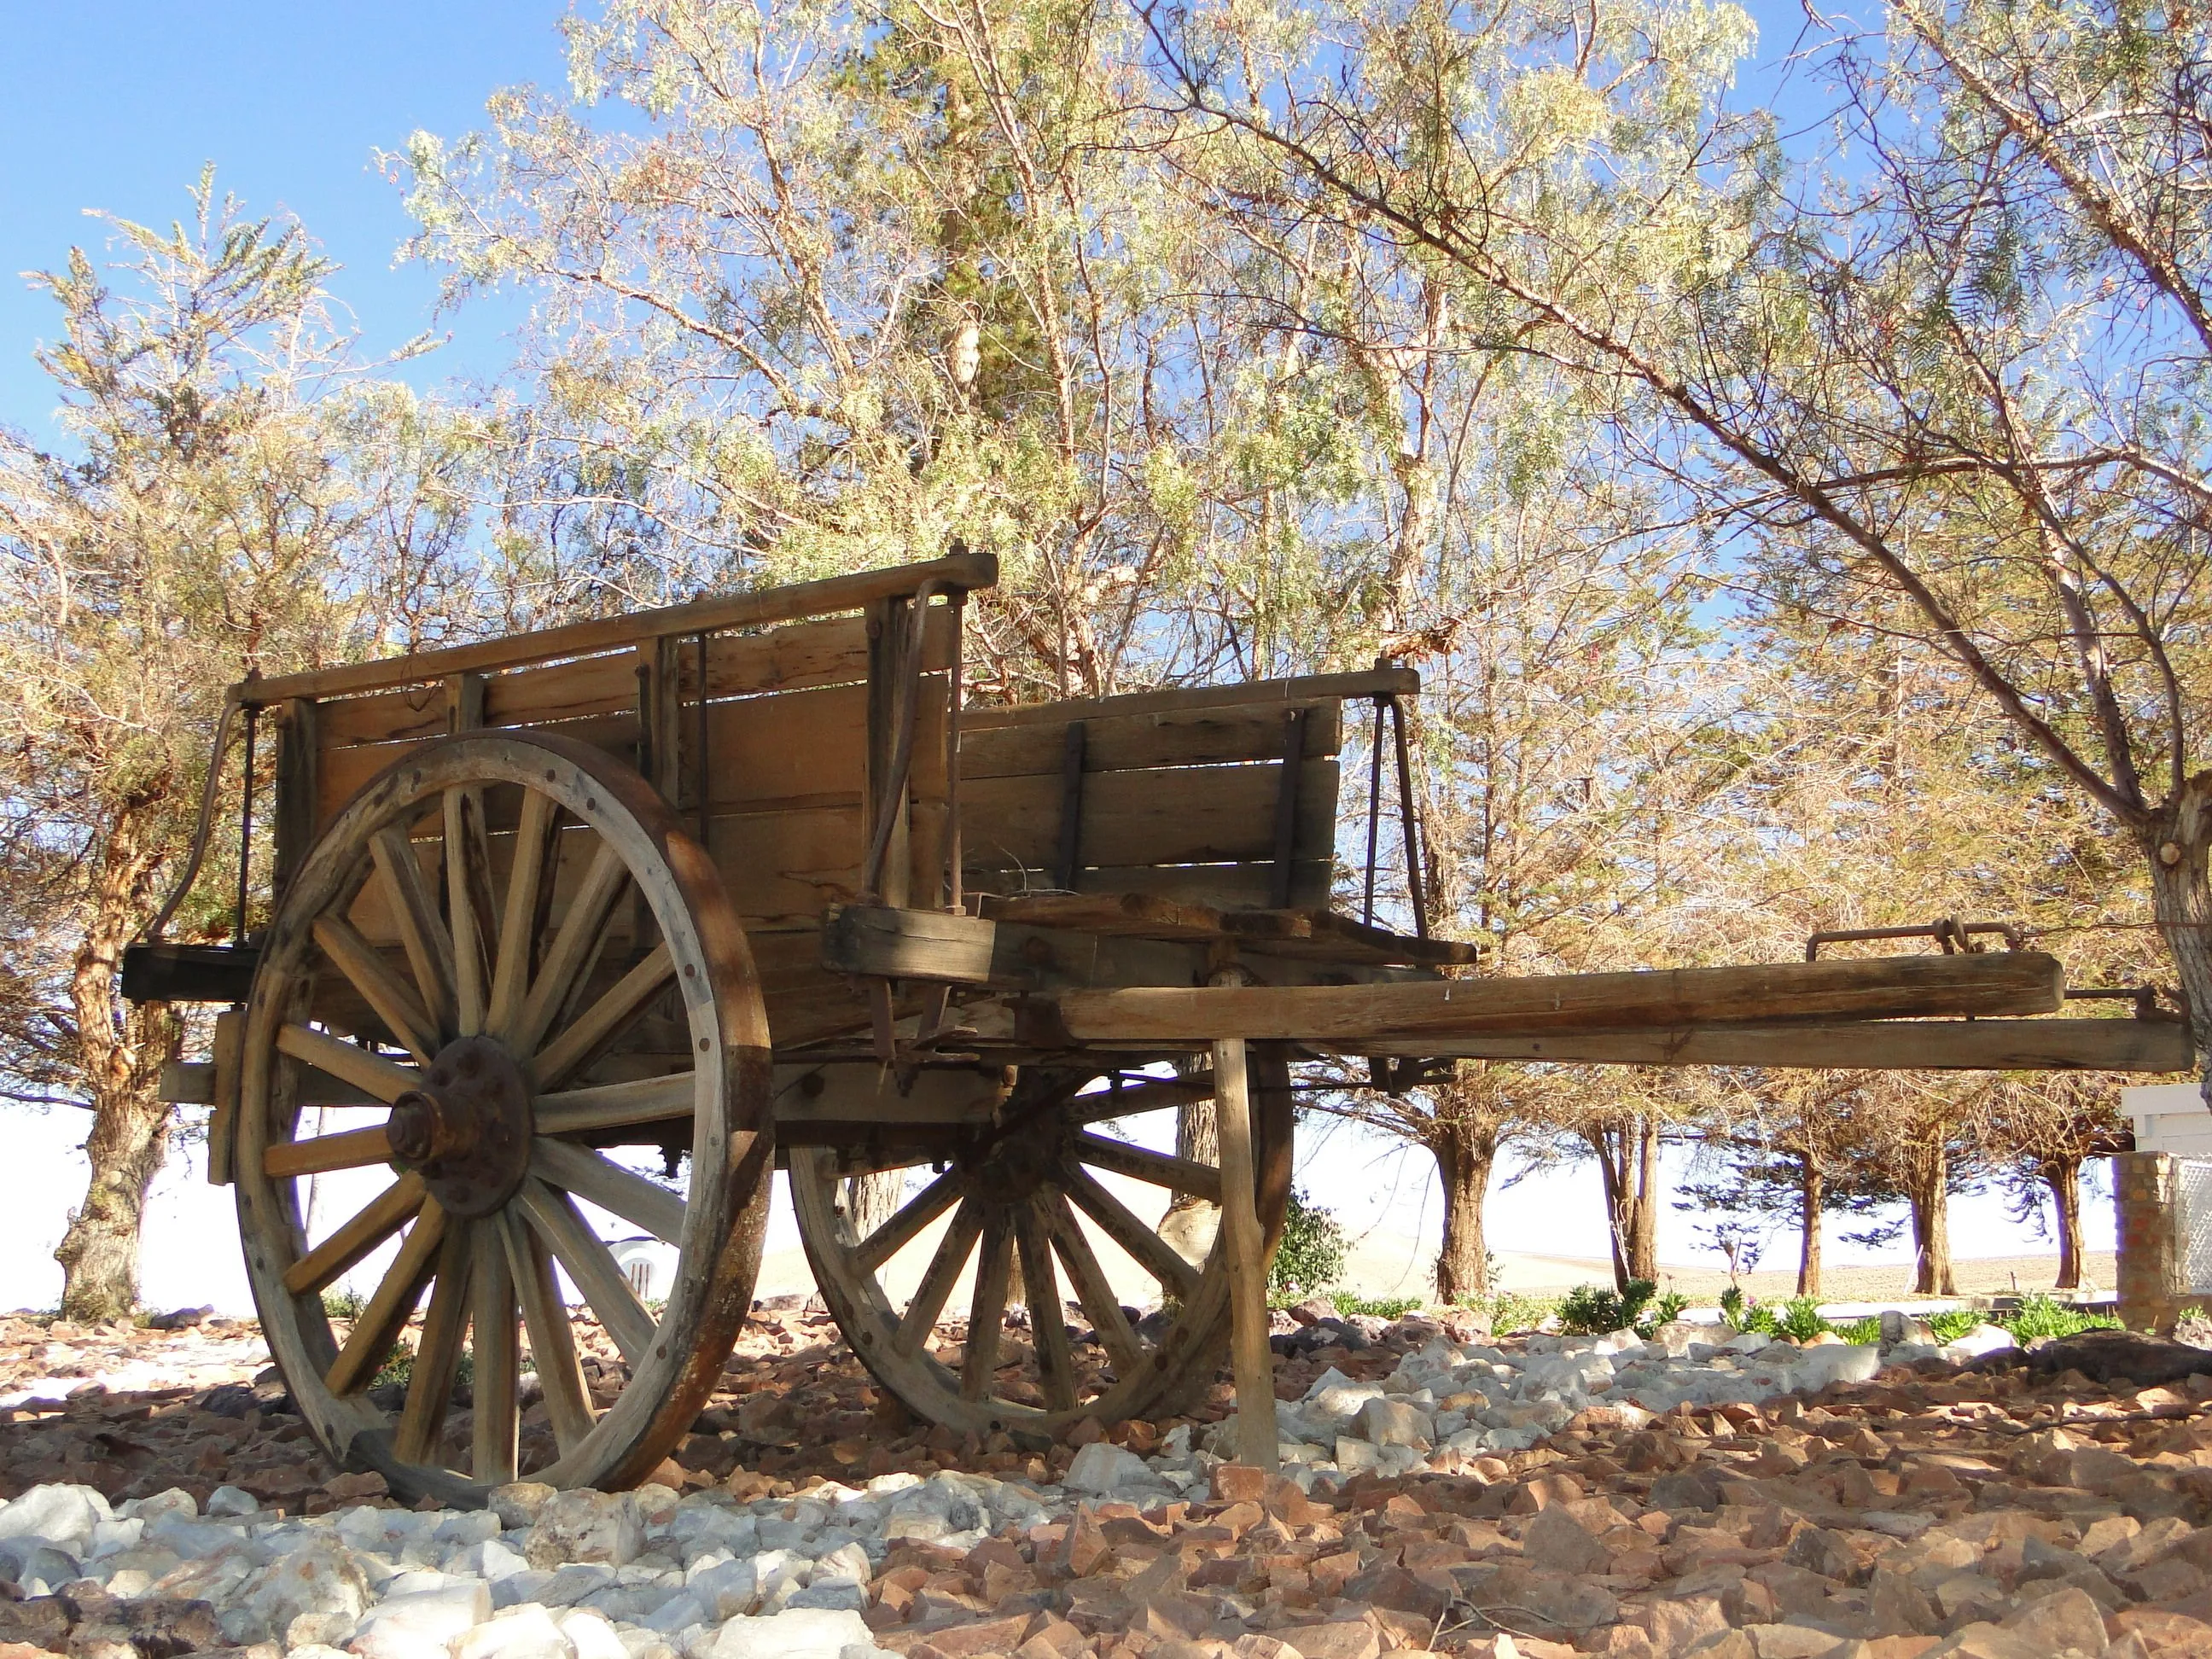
(1929, 1193)
(2063, 1176)
(2181, 900)
(1464, 1154)
(122, 1051)
(1812, 1201)
(872, 1199)
(1628, 1164)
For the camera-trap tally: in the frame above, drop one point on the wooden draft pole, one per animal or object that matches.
(1252, 1360)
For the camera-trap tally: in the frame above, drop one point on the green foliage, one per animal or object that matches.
(398, 1367)
(1593, 1309)
(1861, 1331)
(1310, 1257)
(343, 1304)
(1733, 1303)
(2038, 1316)
(1800, 1319)
(1950, 1326)
(1509, 1311)
(1377, 1307)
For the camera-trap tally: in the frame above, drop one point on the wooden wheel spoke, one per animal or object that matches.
(1130, 1101)
(422, 935)
(601, 1181)
(929, 1297)
(384, 1216)
(354, 1149)
(591, 1265)
(468, 903)
(387, 1080)
(510, 978)
(1151, 1251)
(391, 998)
(1047, 1318)
(575, 946)
(552, 1340)
(614, 1009)
(438, 1354)
(613, 1105)
(905, 1226)
(395, 1298)
(1180, 1175)
(1092, 1288)
(986, 1312)
(494, 1421)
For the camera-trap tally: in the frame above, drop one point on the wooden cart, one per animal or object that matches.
(743, 883)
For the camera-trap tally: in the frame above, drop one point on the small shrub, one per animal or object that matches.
(1509, 1311)
(2038, 1316)
(1311, 1254)
(1949, 1327)
(1593, 1310)
(1861, 1331)
(1375, 1307)
(399, 1367)
(343, 1304)
(1733, 1304)
(1800, 1319)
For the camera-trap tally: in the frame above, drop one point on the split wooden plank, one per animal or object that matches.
(1246, 733)
(1181, 699)
(964, 571)
(1886, 987)
(2080, 1045)
(1252, 1361)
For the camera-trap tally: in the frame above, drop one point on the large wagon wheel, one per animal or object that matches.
(561, 974)
(1013, 1189)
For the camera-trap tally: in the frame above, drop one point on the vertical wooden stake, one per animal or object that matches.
(1252, 1361)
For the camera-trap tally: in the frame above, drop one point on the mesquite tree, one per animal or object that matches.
(1955, 385)
(196, 523)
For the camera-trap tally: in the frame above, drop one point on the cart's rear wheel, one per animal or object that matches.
(1027, 1188)
(502, 963)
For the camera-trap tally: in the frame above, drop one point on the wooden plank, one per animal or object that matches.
(1182, 814)
(1224, 886)
(870, 1094)
(965, 571)
(1132, 743)
(2007, 982)
(299, 765)
(935, 944)
(1252, 1363)
(2059, 1045)
(786, 659)
(1309, 688)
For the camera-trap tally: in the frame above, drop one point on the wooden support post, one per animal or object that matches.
(296, 826)
(1251, 1359)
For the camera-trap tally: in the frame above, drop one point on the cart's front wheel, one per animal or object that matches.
(505, 1010)
(1033, 1193)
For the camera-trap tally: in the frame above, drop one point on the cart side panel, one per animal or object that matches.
(1177, 803)
(782, 778)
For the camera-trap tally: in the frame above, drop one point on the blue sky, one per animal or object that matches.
(116, 105)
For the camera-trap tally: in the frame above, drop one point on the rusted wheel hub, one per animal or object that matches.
(466, 1131)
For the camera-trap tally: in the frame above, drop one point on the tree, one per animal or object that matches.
(196, 528)
(1783, 1154)
(1952, 389)
(2046, 1128)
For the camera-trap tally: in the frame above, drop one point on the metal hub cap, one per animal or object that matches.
(466, 1131)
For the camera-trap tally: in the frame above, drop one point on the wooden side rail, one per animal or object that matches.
(960, 571)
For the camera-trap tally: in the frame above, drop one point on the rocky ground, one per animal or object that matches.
(1441, 1493)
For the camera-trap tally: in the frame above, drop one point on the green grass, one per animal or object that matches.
(1509, 1311)
(343, 1304)
(1375, 1307)
(2038, 1315)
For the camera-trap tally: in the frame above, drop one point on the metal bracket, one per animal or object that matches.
(1956, 937)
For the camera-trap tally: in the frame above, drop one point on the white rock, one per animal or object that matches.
(423, 1625)
(1357, 1456)
(1394, 1422)
(590, 1634)
(585, 1526)
(525, 1633)
(801, 1633)
(1839, 1362)
(233, 1500)
(64, 1515)
(1331, 1378)
(1101, 1466)
(1983, 1338)
(318, 1575)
